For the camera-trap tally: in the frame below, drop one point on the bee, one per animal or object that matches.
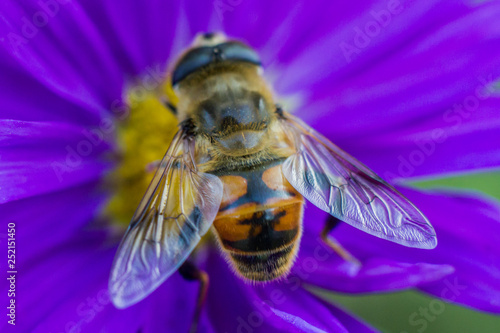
(243, 168)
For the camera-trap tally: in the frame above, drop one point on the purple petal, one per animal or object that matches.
(300, 308)
(117, 46)
(69, 272)
(47, 221)
(468, 231)
(426, 107)
(274, 307)
(36, 173)
(50, 135)
(350, 322)
(42, 104)
(448, 143)
(435, 61)
(72, 291)
(133, 45)
(319, 265)
(41, 157)
(53, 54)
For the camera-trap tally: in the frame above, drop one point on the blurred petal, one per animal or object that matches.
(72, 293)
(303, 310)
(132, 44)
(170, 308)
(26, 173)
(53, 53)
(48, 135)
(350, 322)
(46, 221)
(448, 143)
(436, 61)
(42, 105)
(428, 110)
(41, 157)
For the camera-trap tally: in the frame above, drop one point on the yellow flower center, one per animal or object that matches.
(143, 138)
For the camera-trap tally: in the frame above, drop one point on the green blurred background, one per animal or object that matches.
(390, 312)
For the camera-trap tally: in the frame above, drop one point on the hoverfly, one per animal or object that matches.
(242, 167)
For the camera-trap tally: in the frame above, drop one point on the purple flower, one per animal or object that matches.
(408, 88)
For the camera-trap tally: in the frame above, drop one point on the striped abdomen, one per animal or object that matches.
(260, 222)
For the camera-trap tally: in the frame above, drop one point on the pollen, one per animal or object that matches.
(143, 138)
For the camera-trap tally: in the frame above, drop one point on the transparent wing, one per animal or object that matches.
(342, 186)
(176, 211)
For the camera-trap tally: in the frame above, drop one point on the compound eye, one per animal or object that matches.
(192, 61)
(239, 52)
(212, 47)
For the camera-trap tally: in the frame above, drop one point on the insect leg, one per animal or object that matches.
(190, 272)
(331, 223)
